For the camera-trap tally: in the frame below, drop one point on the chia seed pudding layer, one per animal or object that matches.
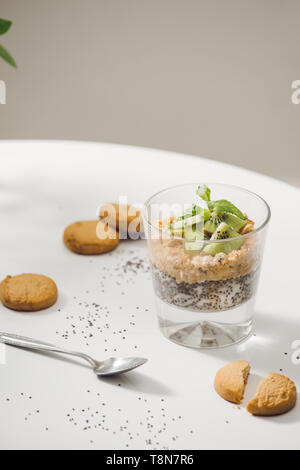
(206, 296)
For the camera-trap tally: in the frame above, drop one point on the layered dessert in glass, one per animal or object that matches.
(205, 246)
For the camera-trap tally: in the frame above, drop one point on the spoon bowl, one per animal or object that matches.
(118, 365)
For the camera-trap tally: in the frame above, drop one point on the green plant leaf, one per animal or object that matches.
(204, 192)
(4, 25)
(225, 206)
(7, 57)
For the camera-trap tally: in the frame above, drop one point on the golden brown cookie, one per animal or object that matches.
(231, 381)
(276, 394)
(28, 292)
(85, 237)
(124, 218)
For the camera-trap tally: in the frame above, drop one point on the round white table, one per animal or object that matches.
(106, 308)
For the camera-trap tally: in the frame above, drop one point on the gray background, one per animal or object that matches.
(206, 77)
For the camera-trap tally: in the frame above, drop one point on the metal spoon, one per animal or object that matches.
(111, 366)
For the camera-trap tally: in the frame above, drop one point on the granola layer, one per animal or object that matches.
(169, 256)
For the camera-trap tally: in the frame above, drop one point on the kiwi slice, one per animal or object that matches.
(212, 224)
(223, 232)
(195, 239)
(214, 221)
(180, 226)
(233, 221)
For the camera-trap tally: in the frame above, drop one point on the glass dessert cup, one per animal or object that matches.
(205, 299)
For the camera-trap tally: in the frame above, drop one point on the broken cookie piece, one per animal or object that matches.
(276, 394)
(231, 381)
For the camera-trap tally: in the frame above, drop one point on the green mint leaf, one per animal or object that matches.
(204, 192)
(4, 25)
(225, 206)
(7, 57)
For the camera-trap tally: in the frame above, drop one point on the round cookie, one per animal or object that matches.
(90, 237)
(28, 292)
(127, 220)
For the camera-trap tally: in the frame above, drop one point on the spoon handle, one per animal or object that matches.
(22, 342)
(29, 343)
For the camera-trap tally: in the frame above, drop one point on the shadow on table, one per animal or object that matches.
(134, 381)
(271, 341)
(138, 382)
(269, 348)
